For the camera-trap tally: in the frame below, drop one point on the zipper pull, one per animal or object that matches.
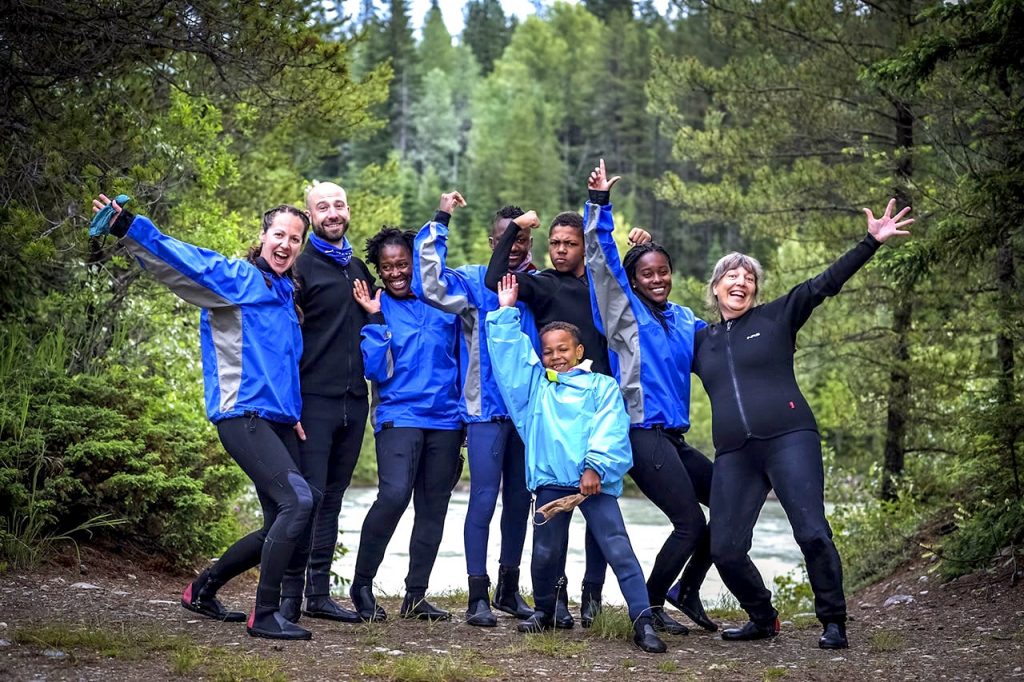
(728, 325)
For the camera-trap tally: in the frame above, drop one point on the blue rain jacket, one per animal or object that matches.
(462, 292)
(651, 363)
(248, 329)
(569, 421)
(409, 355)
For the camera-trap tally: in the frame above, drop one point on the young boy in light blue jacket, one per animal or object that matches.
(576, 431)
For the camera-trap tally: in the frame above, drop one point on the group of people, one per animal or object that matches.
(559, 381)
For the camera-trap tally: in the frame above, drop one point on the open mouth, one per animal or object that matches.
(280, 258)
(658, 291)
(398, 284)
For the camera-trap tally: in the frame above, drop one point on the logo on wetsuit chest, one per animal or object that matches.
(753, 336)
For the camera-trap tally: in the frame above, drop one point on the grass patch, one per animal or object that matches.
(612, 623)
(628, 663)
(668, 667)
(727, 608)
(885, 640)
(428, 667)
(804, 621)
(127, 643)
(450, 599)
(774, 673)
(184, 656)
(549, 644)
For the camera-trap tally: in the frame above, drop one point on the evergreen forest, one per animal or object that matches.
(737, 125)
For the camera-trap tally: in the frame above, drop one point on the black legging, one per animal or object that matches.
(677, 479)
(422, 464)
(266, 452)
(791, 464)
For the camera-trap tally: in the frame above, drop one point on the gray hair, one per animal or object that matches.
(728, 262)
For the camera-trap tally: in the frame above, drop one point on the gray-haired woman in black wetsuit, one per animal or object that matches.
(765, 434)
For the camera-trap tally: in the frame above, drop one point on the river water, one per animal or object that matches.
(774, 550)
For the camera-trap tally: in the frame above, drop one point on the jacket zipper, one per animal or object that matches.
(732, 375)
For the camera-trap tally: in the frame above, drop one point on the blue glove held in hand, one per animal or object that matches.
(100, 224)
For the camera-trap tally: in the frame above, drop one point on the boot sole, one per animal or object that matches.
(336, 619)
(475, 622)
(510, 611)
(425, 616)
(274, 635)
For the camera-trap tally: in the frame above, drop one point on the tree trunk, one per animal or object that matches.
(1005, 348)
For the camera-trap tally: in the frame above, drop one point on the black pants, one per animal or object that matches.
(334, 433)
(422, 464)
(791, 464)
(677, 479)
(266, 452)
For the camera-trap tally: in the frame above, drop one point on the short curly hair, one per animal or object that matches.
(559, 326)
(388, 236)
(510, 212)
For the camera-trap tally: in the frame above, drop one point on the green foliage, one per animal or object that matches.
(427, 667)
(791, 594)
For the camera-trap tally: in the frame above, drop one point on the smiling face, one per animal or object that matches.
(282, 241)
(565, 249)
(521, 246)
(328, 210)
(560, 351)
(735, 292)
(653, 277)
(395, 270)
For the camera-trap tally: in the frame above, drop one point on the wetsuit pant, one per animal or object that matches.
(550, 539)
(497, 458)
(266, 452)
(334, 433)
(791, 464)
(677, 479)
(419, 464)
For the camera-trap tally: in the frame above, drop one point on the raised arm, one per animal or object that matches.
(796, 306)
(378, 360)
(498, 265)
(517, 369)
(432, 280)
(198, 276)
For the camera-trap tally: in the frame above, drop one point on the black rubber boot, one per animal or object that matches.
(200, 596)
(479, 611)
(834, 637)
(291, 608)
(663, 622)
(752, 631)
(536, 623)
(590, 604)
(417, 606)
(366, 604)
(506, 594)
(646, 638)
(563, 619)
(266, 621)
(322, 606)
(688, 601)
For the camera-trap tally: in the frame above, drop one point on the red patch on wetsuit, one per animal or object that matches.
(791, 405)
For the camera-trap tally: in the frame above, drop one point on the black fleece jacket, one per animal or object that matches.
(332, 363)
(552, 296)
(746, 364)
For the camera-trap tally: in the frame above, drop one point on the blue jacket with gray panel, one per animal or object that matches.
(651, 361)
(409, 354)
(248, 328)
(463, 292)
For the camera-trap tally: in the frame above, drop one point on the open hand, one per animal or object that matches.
(361, 293)
(508, 290)
(638, 236)
(888, 225)
(599, 180)
(451, 201)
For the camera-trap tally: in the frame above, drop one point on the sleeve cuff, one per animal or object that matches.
(124, 221)
(601, 198)
(376, 318)
(442, 217)
(870, 240)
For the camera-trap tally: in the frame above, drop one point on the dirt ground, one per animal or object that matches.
(968, 629)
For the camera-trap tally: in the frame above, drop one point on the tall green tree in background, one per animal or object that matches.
(206, 112)
(487, 31)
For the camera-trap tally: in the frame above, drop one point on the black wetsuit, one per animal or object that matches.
(335, 405)
(766, 437)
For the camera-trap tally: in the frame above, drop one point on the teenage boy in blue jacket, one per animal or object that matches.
(576, 433)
